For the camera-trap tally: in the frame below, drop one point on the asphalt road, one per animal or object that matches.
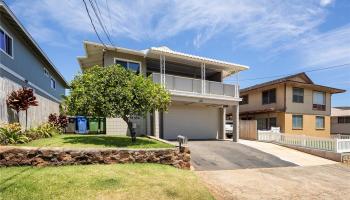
(311, 182)
(227, 155)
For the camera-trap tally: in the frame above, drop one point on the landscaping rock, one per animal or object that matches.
(19, 156)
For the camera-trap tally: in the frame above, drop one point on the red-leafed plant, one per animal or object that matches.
(60, 121)
(22, 99)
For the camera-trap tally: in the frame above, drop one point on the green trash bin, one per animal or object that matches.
(102, 125)
(93, 125)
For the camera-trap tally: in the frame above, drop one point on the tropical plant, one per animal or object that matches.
(115, 92)
(11, 134)
(22, 99)
(45, 130)
(60, 121)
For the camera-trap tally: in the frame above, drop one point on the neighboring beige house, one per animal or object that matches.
(340, 120)
(199, 96)
(295, 104)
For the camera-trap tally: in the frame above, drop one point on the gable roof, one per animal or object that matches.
(300, 78)
(15, 23)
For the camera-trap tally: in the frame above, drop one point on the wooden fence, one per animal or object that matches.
(248, 130)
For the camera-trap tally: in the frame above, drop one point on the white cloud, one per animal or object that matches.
(326, 49)
(256, 23)
(326, 2)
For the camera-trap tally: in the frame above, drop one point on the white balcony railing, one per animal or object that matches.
(192, 85)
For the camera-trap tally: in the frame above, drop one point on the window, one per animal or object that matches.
(297, 122)
(6, 43)
(133, 66)
(272, 122)
(46, 72)
(343, 120)
(266, 123)
(269, 96)
(320, 122)
(245, 100)
(319, 101)
(298, 95)
(53, 83)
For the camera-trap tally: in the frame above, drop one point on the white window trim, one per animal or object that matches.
(46, 72)
(52, 78)
(13, 55)
(127, 60)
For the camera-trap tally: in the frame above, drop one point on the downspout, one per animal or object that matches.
(285, 107)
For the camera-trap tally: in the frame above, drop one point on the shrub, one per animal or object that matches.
(60, 121)
(45, 130)
(11, 134)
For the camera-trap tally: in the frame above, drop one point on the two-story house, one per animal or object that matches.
(294, 103)
(23, 63)
(199, 96)
(340, 121)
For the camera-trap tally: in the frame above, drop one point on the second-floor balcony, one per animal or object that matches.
(192, 86)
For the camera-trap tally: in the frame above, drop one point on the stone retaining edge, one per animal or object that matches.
(57, 156)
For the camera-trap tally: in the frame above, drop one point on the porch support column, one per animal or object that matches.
(162, 70)
(222, 123)
(235, 119)
(156, 127)
(203, 78)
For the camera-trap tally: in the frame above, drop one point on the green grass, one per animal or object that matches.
(123, 181)
(96, 141)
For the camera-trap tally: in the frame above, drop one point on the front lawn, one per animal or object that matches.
(123, 181)
(96, 141)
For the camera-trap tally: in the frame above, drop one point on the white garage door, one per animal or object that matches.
(194, 122)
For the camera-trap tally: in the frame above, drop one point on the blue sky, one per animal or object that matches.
(273, 37)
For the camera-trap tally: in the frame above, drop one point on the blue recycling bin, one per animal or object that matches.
(81, 124)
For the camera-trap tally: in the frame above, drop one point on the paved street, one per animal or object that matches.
(312, 182)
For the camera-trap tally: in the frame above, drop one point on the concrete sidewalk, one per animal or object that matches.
(287, 154)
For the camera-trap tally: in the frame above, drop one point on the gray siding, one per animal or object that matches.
(36, 115)
(28, 65)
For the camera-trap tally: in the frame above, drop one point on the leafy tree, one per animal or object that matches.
(22, 99)
(115, 92)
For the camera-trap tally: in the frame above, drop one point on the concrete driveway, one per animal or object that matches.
(228, 155)
(257, 170)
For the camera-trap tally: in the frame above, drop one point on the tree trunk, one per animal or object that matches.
(26, 119)
(17, 115)
(131, 130)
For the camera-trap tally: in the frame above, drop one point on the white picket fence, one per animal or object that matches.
(334, 144)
